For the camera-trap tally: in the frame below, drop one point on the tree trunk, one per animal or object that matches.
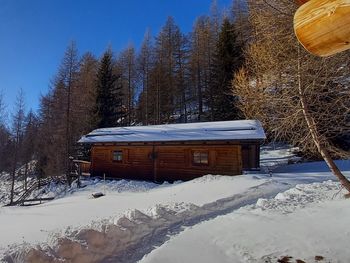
(25, 176)
(315, 135)
(199, 93)
(13, 175)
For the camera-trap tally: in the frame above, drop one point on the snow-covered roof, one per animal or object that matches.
(203, 131)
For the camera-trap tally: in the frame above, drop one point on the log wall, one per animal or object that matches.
(171, 162)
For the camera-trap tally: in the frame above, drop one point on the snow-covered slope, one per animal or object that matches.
(78, 209)
(306, 222)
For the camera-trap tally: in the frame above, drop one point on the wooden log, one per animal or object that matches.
(323, 26)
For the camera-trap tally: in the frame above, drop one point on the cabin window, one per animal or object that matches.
(200, 157)
(118, 156)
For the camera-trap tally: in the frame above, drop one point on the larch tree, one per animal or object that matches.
(165, 66)
(182, 75)
(29, 145)
(58, 117)
(240, 17)
(17, 130)
(5, 141)
(144, 66)
(292, 92)
(203, 43)
(84, 96)
(47, 144)
(126, 64)
(68, 74)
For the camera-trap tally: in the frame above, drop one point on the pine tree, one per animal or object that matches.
(227, 60)
(109, 107)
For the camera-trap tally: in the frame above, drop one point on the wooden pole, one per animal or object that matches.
(104, 184)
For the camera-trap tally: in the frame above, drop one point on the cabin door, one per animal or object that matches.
(249, 157)
(169, 162)
(140, 163)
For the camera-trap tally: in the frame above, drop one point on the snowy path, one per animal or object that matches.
(77, 209)
(304, 222)
(308, 220)
(136, 234)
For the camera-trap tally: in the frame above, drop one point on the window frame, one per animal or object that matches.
(120, 154)
(202, 158)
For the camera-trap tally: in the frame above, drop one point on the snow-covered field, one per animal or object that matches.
(305, 222)
(297, 212)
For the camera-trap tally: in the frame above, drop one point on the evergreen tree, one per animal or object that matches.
(227, 60)
(109, 107)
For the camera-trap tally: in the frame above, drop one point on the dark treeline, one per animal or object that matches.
(172, 78)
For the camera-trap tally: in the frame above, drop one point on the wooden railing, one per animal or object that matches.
(23, 198)
(82, 168)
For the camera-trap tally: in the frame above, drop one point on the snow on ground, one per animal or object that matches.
(36, 224)
(251, 218)
(275, 155)
(5, 183)
(304, 222)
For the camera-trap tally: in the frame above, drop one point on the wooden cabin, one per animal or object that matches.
(175, 151)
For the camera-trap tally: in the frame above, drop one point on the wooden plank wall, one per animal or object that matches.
(165, 162)
(136, 163)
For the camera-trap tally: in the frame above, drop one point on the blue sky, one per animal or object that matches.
(35, 33)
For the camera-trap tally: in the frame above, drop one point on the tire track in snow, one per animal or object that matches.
(137, 234)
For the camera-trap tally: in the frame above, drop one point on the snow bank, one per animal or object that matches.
(304, 222)
(76, 210)
(128, 238)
